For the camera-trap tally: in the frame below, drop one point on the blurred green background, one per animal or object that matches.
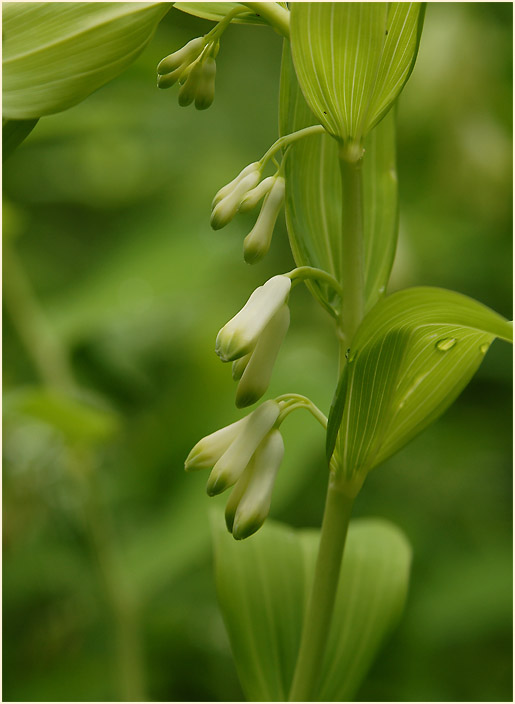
(108, 587)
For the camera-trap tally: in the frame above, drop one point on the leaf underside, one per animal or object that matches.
(314, 195)
(56, 54)
(263, 585)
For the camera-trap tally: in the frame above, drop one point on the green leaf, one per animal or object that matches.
(56, 54)
(13, 134)
(314, 195)
(263, 586)
(217, 11)
(352, 60)
(79, 419)
(413, 354)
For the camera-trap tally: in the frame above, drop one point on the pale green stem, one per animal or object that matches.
(288, 139)
(302, 273)
(337, 513)
(352, 250)
(51, 361)
(276, 16)
(323, 594)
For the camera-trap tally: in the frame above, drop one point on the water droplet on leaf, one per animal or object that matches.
(446, 344)
(484, 348)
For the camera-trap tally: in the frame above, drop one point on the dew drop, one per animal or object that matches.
(484, 348)
(446, 344)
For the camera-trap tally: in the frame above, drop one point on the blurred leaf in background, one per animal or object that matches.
(108, 207)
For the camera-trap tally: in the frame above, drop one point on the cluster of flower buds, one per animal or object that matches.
(194, 66)
(242, 194)
(247, 455)
(251, 340)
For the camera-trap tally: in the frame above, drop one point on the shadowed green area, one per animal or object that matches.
(107, 206)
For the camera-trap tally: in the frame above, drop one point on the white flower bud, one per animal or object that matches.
(231, 465)
(239, 336)
(254, 505)
(257, 242)
(186, 55)
(254, 196)
(169, 79)
(256, 377)
(238, 366)
(206, 88)
(189, 89)
(208, 451)
(226, 209)
(225, 190)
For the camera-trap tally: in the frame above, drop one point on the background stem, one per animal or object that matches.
(274, 14)
(315, 632)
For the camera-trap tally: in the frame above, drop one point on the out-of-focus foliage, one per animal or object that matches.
(108, 207)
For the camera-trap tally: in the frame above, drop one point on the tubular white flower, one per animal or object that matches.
(233, 462)
(239, 366)
(189, 89)
(208, 451)
(226, 209)
(254, 196)
(258, 371)
(257, 242)
(240, 335)
(246, 513)
(225, 190)
(206, 89)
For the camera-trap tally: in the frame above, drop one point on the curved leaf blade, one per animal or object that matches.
(352, 60)
(314, 195)
(13, 134)
(263, 586)
(216, 11)
(56, 54)
(413, 354)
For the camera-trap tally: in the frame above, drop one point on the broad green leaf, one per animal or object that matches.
(314, 195)
(13, 134)
(80, 420)
(263, 587)
(56, 54)
(413, 354)
(216, 11)
(352, 60)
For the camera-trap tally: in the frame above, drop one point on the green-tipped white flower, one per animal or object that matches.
(206, 89)
(239, 365)
(189, 88)
(249, 503)
(183, 57)
(258, 370)
(231, 465)
(254, 196)
(208, 451)
(226, 209)
(240, 335)
(225, 190)
(257, 242)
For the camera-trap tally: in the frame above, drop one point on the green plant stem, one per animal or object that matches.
(352, 250)
(50, 359)
(315, 632)
(274, 14)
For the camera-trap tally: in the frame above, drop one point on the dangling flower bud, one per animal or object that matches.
(257, 242)
(239, 336)
(254, 196)
(228, 188)
(232, 463)
(256, 377)
(226, 209)
(183, 57)
(206, 88)
(169, 79)
(189, 89)
(246, 513)
(208, 451)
